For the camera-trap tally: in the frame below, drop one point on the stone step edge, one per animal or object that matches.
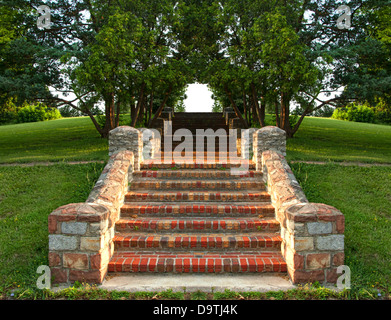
(192, 264)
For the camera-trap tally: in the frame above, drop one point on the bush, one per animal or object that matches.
(384, 117)
(8, 112)
(35, 113)
(325, 112)
(356, 113)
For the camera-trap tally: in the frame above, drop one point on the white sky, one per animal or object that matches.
(199, 98)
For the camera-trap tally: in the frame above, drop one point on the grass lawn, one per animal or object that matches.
(320, 139)
(71, 139)
(27, 196)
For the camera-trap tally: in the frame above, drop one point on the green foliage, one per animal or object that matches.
(124, 120)
(8, 112)
(363, 113)
(37, 112)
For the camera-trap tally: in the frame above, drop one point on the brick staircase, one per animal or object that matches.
(185, 217)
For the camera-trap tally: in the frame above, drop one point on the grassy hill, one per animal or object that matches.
(69, 139)
(76, 139)
(320, 139)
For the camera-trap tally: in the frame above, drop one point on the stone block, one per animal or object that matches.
(77, 228)
(59, 242)
(315, 228)
(331, 242)
(316, 261)
(302, 243)
(75, 261)
(91, 243)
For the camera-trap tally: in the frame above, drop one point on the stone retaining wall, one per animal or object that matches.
(81, 234)
(312, 234)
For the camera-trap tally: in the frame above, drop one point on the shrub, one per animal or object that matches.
(356, 113)
(35, 113)
(8, 112)
(384, 117)
(325, 112)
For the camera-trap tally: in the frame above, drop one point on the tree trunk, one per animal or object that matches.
(159, 111)
(284, 121)
(110, 115)
(277, 113)
(150, 109)
(118, 113)
(245, 107)
(139, 104)
(262, 112)
(257, 108)
(237, 111)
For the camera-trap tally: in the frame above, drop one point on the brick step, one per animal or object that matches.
(199, 209)
(196, 147)
(198, 184)
(191, 241)
(173, 224)
(209, 262)
(239, 196)
(162, 164)
(191, 174)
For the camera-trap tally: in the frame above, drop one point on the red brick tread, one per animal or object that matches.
(171, 224)
(198, 262)
(150, 164)
(197, 242)
(198, 184)
(204, 209)
(203, 174)
(183, 195)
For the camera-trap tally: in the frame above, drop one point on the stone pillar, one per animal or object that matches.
(313, 242)
(266, 139)
(127, 138)
(79, 243)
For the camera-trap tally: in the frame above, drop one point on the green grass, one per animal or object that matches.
(320, 139)
(71, 139)
(76, 139)
(363, 195)
(27, 196)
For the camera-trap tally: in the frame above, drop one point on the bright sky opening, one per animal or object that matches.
(199, 98)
